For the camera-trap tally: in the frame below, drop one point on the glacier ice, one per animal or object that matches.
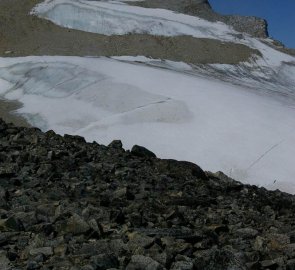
(116, 18)
(176, 114)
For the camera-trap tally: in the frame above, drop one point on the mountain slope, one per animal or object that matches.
(68, 204)
(227, 104)
(201, 8)
(40, 37)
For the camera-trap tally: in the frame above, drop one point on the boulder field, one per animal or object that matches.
(69, 204)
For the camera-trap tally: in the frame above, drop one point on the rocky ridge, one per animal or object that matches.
(68, 204)
(254, 26)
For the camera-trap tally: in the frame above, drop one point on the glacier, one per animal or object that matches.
(118, 18)
(109, 17)
(180, 115)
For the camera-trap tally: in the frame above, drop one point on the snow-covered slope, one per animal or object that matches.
(217, 125)
(234, 118)
(118, 18)
(272, 68)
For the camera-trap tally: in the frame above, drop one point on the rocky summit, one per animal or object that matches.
(68, 204)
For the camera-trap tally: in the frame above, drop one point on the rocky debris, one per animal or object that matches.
(68, 204)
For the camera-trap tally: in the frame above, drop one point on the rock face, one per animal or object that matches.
(251, 25)
(68, 204)
(248, 24)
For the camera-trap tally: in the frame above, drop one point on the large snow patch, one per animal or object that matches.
(214, 124)
(117, 18)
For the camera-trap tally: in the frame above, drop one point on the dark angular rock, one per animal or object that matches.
(104, 261)
(247, 232)
(47, 251)
(116, 144)
(291, 264)
(141, 151)
(180, 168)
(182, 265)
(74, 138)
(32, 265)
(76, 225)
(142, 262)
(11, 224)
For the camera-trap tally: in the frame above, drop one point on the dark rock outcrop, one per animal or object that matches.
(68, 204)
(251, 25)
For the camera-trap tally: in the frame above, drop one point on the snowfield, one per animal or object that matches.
(239, 119)
(268, 72)
(118, 18)
(217, 125)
